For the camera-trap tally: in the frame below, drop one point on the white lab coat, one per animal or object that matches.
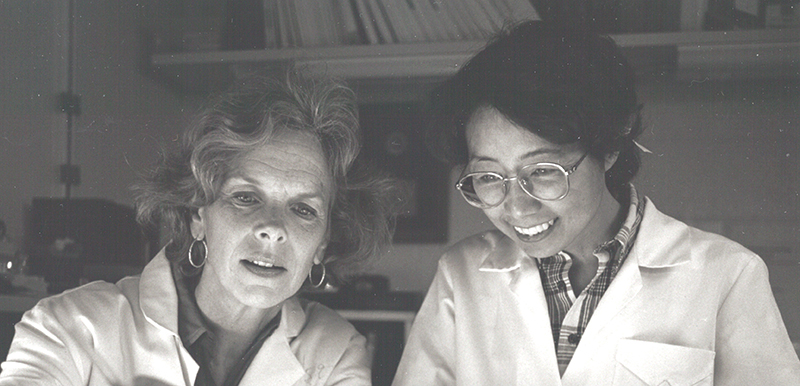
(127, 334)
(686, 308)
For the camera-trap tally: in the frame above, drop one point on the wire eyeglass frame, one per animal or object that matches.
(462, 183)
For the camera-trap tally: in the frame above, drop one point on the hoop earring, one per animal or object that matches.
(205, 253)
(321, 279)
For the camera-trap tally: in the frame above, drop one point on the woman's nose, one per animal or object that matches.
(271, 227)
(518, 202)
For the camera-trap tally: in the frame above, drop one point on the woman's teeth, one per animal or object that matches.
(535, 229)
(262, 264)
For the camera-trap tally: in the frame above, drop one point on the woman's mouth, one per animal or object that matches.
(536, 232)
(263, 268)
(263, 264)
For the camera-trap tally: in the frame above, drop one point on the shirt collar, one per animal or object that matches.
(621, 242)
(191, 325)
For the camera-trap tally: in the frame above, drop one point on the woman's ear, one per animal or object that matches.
(197, 226)
(610, 160)
(319, 255)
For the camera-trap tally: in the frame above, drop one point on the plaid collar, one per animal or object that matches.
(616, 250)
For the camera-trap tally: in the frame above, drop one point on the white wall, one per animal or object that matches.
(32, 64)
(125, 115)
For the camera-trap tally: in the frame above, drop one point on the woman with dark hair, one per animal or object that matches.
(264, 188)
(584, 281)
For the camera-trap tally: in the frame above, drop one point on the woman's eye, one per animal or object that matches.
(305, 211)
(244, 198)
(488, 178)
(544, 172)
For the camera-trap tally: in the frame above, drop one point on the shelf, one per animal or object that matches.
(715, 54)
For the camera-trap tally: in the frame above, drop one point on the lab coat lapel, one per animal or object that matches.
(623, 289)
(531, 326)
(158, 300)
(275, 363)
(521, 276)
(656, 247)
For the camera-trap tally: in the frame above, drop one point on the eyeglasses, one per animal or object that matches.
(544, 181)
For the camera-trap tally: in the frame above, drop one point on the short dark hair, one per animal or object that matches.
(249, 114)
(564, 84)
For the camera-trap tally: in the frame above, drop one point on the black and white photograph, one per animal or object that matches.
(400, 192)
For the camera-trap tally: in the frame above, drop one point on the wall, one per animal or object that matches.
(125, 114)
(33, 64)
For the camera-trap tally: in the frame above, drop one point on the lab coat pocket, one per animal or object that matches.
(660, 364)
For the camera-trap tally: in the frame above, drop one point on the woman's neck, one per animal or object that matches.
(603, 227)
(234, 327)
(232, 319)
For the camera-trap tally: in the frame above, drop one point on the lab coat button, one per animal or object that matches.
(574, 338)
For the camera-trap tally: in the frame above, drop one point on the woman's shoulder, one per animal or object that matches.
(89, 313)
(472, 251)
(326, 335)
(98, 298)
(319, 317)
(484, 241)
(660, 233)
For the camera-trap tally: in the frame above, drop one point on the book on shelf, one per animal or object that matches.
(471, 26)
(330, 35)
(366, 23)
(244, 27)
(347, 27)
(421, 20)
(385, 35)
(282, 22)
(521, 10)
(310, 35)
(405, 9)
(441, 30)
(329, 23)
(475, 13)
(397, 24)
(271, 24)
(288, 27)
(489, 8)
(450, 10)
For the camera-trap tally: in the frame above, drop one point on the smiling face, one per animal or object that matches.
(577, 223)
(269, 224)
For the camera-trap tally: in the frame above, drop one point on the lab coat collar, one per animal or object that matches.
(661, 242)
(503, 256)
(157, 294)
(274, 364)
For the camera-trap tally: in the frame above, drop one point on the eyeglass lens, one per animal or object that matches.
(542, 181)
